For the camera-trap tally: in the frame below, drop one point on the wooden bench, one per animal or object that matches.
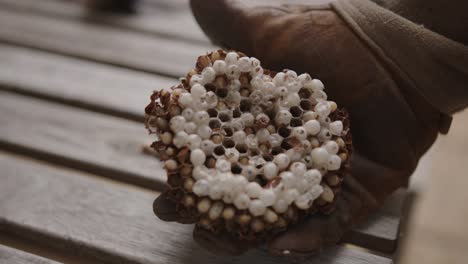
(76, 186)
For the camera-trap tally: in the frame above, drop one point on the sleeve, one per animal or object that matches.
(437, 67)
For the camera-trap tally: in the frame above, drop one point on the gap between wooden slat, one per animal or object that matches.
(108, 222)
(100, 44)
(71, 71)
(170, 21)
(10, 255)
(83, 57)
(79, 139)
(34, 250)
(79, 104)
(90, 167)
(30, 130)
(93, 86)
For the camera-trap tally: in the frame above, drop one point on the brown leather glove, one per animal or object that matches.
(392, 125)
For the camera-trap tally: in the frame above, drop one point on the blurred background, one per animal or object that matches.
(69, 65)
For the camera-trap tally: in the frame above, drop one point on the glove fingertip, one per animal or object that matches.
(165, 209)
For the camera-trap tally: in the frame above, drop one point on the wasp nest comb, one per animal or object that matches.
(247, 150)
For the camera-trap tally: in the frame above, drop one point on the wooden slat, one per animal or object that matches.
(111, 146)
(42, 250)
(100, 43)
(161, 18)
(385, 222)
(113, 223)
(81, 139)
(173, 4)
(14, 256)
(90, 85)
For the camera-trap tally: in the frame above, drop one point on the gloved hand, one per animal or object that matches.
(392, 125)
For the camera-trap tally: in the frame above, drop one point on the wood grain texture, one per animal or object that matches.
(99, 87)
(112, 223)
(81, 139)
(111, 147)
(171, 19)
(13, 256)
(100, 43)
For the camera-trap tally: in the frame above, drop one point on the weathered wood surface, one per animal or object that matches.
(108, 221)
(42, 249)
(81, 139)
(100, 43)
(99, 87)
(171, 19)
(13, 256)
(106, 64)
(112, 147)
